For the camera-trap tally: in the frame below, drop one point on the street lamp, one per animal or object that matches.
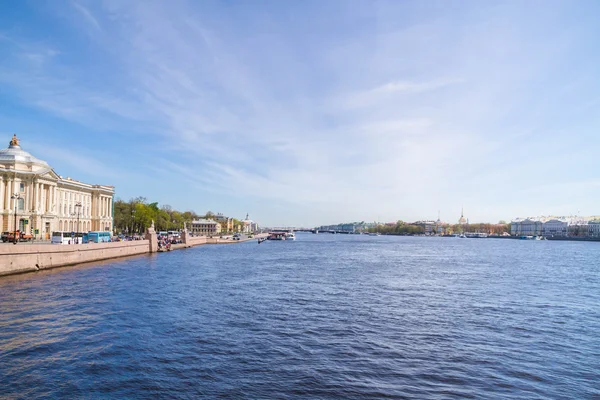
(78, 207)
(16, 197)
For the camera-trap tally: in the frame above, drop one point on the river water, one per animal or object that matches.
(323, 317)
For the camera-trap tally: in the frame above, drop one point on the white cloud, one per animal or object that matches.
(92, 21)
(397, 121)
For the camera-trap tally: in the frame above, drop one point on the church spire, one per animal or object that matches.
(462, 219)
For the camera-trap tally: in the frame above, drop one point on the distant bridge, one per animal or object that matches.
(313, 230)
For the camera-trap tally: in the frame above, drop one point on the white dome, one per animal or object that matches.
(14, 154)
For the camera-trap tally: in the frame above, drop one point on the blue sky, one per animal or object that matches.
(313, 112)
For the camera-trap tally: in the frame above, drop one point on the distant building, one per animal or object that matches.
(594, 228)
(430, 227)
(225, 222)
(205, 227)
(555, 226)
(526, 227)
(249, 226)
(349, 227)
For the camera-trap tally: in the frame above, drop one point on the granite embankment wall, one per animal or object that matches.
(15, 259)
(27, 258)
(190, 241)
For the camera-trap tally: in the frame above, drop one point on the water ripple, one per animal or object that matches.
(325, 317)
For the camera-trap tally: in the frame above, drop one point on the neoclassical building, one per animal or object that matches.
(205, 227)
(41, 200)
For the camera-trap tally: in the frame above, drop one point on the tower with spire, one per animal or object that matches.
(462, 220)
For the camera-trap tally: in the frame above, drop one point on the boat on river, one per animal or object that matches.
(277, 236)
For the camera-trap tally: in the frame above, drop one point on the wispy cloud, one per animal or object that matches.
(87, 15)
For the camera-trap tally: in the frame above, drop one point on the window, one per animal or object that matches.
(22, 187)
(21, 204)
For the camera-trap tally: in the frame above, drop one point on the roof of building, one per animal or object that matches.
(14, 153)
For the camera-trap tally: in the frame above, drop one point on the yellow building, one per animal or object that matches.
(35, 198)
(206, 227)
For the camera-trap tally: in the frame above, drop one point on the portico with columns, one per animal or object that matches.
(37, 198)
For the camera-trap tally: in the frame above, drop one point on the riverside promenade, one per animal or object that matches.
(21, 258)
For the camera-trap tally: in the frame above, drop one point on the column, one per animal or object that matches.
(29, 201)
(9, 193)
(9, 203)
(2, 193)
(50, 198)
(32, 199)
(37, 197)
(17, 190)
(40, 198)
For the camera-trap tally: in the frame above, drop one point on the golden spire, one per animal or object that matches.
(14, 141)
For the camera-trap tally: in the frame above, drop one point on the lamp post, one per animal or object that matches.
(78, 208)
(16, 197)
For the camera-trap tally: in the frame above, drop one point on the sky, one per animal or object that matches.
(313, 112)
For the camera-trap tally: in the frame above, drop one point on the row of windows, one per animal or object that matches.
(84, 226)
(75, 197)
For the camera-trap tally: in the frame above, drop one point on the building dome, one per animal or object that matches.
(14, 154)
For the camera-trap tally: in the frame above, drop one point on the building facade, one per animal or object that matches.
(594, 228)
(249, 226)
(431, 227)
(36, 200)
(526, 227)
(225, 222)
(205, 227)
(556, 227)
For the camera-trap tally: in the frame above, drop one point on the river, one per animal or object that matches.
(323, 317)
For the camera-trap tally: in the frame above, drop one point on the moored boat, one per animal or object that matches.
(277, 236)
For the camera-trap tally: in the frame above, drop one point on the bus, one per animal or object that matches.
(99, 237)
(69, 237)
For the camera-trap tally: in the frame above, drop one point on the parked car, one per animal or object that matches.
(21, 237)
